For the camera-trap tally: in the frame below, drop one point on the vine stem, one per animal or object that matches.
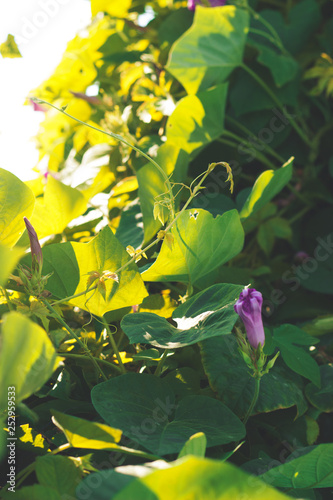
(252, 135)
(276, 100)
(9, 304)
(114, 345)
(121, 139)
(161, 363)
(67, 299)
(73, 334)
(253, 402)
(82, 356)
(193, 194)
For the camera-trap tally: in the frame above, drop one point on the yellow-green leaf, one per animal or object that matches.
(16, 201)
(27, 355)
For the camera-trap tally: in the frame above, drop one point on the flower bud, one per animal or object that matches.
(36, 251)
(248, 307)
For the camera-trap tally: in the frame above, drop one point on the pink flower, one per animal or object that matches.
(248, 307)
(37, 107)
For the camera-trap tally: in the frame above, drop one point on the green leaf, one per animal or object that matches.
(229, 376)
(281, 228)
(201, 244)
(8, 258)
(28, 357)
(35, 492)
(209, 51)
(295, 29)
(196, 446)
(208, 314)
(247, 95)
(311, 470)
(130, 228)
(287, 338)
(266, 237)
(322, 398)
(268, 184)
(59, 473)
(60, 261)
(59, 205)
(16, 201)
(195, 477)
(104, 484)
(71, 263)
(9, 48)
(282, 67)
(143, 407)
(319, 278)
(82, 433)
(198, 120)
(152, 187)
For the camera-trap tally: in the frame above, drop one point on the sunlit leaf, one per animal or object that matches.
(200, 478)
(201, 243)
(16, 201)
(28, 357)
(209, 51)
(209, 313)
(268, 184)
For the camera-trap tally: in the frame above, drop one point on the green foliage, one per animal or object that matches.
(16, 200)
(313, 469)
(28, 357)
(200, 243)
(200, 477)
(150, 416)
(208, 314)
(209, 51)
(158, 199)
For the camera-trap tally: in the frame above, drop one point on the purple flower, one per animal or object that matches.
(36, 251)
(248, 307)
(191, 4)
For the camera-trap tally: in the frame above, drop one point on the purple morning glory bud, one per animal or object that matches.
(36, 251)
(301, 256)
(248, 307)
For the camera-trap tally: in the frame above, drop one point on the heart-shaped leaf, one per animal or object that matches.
(200, 244)
(229, 376)
(144, 408)
(208, 314)
(209, 51)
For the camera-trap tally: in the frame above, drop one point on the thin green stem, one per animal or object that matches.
(22, 475)
(67, 299)
(250, 134)
(265, 35)
(300, 214)
(9, 304)
(73, 334)
(259, 155)
(124, 141)
(253, 402)
(277, 101)
(270, 28)
(114, 345)
(193, 194)
(83, 357)
(161, 363)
